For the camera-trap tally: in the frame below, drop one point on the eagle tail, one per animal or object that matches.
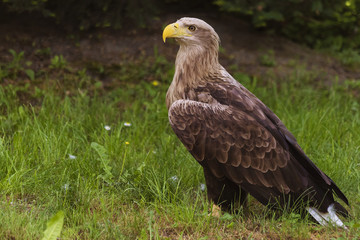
(327, 218)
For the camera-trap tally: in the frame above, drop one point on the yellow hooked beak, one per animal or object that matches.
(174, 30)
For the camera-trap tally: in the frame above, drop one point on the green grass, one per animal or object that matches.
(138, 181)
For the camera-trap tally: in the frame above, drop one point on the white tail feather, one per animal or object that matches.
(326, 218)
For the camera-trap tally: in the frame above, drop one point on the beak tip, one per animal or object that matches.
(168, 32)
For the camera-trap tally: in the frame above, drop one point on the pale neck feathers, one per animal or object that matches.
(194, 63)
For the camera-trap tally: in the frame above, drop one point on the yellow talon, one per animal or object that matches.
(215, 211)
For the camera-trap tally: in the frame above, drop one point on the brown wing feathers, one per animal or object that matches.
(234, 142)
(242, 98)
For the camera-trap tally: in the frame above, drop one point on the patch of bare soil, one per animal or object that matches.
(243, 46)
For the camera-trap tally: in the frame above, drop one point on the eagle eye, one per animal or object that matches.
(192, 28)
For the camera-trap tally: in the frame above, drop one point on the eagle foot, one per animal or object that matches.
(215, 211)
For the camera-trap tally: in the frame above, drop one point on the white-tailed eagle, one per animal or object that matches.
(241, 144)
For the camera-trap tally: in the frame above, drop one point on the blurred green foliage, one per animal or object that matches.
(317, 23)
(88, 13)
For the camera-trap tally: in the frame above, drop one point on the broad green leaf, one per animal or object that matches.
(104, 159)
(54, 226)
(30, 73)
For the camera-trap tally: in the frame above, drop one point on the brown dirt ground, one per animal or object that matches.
(243, 45)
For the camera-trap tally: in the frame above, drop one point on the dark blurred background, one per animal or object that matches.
(260, 38)
(316, 23)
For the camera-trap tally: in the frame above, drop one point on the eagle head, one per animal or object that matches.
(192, 31)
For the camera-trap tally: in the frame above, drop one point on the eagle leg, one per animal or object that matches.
(224, 193)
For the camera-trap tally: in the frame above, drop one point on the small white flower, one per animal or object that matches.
(66, 186)
(154, 152)
(107, 128)
(127, 124)
(202, 187)
(174, 178)
(72, 156)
